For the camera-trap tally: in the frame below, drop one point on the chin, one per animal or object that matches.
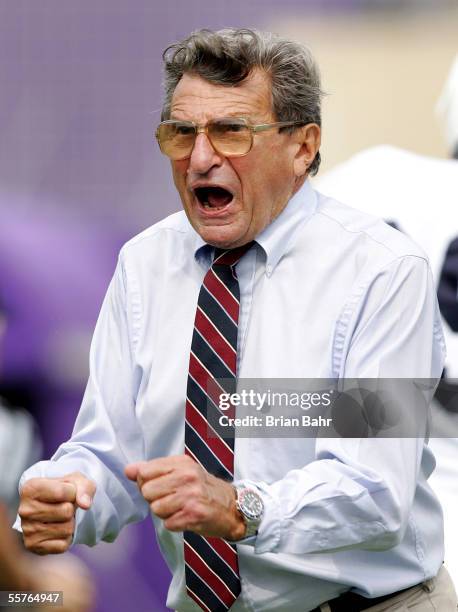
(224, 237)
(219, 241)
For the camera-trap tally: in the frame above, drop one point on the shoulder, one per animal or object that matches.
(170, 238)
(174, 227)
(363, 236)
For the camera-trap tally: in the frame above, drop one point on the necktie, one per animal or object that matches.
(211, 564)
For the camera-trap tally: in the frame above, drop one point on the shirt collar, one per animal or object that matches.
(278, 235)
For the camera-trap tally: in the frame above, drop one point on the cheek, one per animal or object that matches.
(179, 173)
(251, 174)
(271, 186)
(269, 177)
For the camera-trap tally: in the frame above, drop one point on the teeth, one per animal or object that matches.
(209, 206)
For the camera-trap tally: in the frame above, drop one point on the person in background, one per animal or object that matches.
(426, 210)
(19, 570)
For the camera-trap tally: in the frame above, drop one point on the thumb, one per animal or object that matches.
(85, 489)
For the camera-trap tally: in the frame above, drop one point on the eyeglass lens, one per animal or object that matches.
(229, 136)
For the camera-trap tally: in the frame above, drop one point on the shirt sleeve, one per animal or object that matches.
(107, 435)
(358, 493)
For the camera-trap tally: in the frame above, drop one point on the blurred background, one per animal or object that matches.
(80, 173)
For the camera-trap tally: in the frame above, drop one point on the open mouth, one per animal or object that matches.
(213, 197)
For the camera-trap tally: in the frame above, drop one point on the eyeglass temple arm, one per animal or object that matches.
(268, 126)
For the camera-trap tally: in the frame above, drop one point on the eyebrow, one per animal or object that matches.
(234, 116)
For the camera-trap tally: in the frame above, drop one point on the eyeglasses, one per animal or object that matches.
(229, 136)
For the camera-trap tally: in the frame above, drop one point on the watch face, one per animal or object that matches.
(251, 504)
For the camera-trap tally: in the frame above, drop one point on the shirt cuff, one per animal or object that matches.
(269, 533)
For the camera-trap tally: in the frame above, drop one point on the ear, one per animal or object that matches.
(309, 140)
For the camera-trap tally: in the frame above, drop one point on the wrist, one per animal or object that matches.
(227, 518)
(239, 524)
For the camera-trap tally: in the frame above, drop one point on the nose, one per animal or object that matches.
(203, 156)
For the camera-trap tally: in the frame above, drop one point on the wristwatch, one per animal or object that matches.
(250, 505)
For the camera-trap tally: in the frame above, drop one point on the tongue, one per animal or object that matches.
(218, 197)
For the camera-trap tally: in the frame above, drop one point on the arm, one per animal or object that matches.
(106, 435)
(358, 493)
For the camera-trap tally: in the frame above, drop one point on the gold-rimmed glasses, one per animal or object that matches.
(229, 136)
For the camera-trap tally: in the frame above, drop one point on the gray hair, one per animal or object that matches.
(228, 56)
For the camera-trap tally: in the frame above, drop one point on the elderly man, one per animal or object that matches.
(260, 277)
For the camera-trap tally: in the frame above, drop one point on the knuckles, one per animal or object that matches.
(68, 528)
(156, 507)
(189, 485)
(34, 488)
(28, 529)
(29, 488)
(190, 473)
(25, 510)
(190, 476)
(50, 548)
(48, 538)
(29, 512)
(67, 511)
(194, 512)
(52, 530)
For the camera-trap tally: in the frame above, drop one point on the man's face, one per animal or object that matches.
(229, 201)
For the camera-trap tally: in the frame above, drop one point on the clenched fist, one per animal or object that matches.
(47, 511)
(186, 497)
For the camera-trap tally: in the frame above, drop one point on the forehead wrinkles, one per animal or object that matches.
(198, 99)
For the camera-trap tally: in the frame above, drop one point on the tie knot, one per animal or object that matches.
(230, 257)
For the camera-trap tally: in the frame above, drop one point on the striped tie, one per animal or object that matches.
(211, 564)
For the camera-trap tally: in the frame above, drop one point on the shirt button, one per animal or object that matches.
(269, 270)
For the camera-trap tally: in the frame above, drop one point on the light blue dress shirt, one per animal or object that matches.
(328, 292)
